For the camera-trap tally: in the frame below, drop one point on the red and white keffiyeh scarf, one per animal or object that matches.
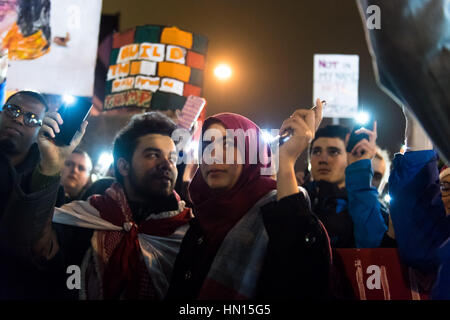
(126, 260)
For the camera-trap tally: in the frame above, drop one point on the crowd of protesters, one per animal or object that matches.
(234, 233)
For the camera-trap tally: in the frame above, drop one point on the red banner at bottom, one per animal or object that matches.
(378, 274)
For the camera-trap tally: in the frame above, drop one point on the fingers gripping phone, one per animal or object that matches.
(73, 112)
(355, 138)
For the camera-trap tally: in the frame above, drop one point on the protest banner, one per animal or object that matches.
(379, 274)
(336, 79)
(155, 67)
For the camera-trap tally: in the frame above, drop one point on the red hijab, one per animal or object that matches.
(218, 213)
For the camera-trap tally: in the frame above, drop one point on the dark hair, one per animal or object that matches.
(331, 131)
(141, 124)
(31, 94)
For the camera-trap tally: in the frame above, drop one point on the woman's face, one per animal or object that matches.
(221, 177)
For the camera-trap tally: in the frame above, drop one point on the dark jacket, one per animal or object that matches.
(296, 264)
(329, 203)
(19, 279)
(10, 174)
(353, 216)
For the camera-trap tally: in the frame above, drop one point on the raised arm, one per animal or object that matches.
(303, 125)
(27, 229)
(369, 225)
(417, 211)
(298, 252)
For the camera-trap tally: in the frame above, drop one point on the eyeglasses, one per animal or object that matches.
(29, 118)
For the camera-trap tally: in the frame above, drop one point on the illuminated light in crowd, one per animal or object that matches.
(104, 162)
(222, 72)
(68, 99)
(267, 137)
(362, 117)
(387, 198)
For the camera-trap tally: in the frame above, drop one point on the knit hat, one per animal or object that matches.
(444, 172)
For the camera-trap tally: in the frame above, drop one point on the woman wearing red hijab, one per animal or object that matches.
(252, 237)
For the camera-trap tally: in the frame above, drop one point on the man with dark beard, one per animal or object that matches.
(122, 245)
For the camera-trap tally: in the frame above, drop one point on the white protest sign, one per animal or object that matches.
(336, 79)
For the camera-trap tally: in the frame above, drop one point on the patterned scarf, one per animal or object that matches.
(126, 260)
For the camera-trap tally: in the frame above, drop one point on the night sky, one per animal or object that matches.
(270, 46)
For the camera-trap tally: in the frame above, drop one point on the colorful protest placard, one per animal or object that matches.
(52, 44)
(336, 79)
(155, 67)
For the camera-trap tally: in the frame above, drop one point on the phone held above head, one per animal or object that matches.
(355, 137)
(73, 112)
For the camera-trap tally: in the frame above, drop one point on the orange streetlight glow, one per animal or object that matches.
(222, 71)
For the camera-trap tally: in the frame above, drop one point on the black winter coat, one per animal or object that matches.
(296, 265)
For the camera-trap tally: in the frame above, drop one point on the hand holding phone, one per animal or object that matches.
(73, 112)
(281, 139)
(52, 155)
(362, 143)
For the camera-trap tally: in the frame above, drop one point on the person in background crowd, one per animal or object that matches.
(124, 241)
(252, 237)
(381, 166)
(75, 174)
(444, 178)
(422, 227)
(341, 192)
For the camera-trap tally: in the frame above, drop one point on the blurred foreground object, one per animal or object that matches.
(411, 57)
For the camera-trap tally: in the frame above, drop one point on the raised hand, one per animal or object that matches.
(302, 125)
(53, 156)
(364, 149)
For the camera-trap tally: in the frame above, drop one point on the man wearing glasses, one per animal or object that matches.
(20, 120)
